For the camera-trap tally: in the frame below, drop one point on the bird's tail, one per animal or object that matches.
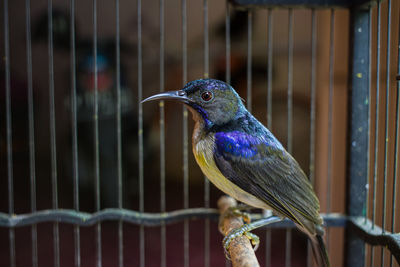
(319, 251)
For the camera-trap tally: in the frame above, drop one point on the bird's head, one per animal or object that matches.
(211, 101)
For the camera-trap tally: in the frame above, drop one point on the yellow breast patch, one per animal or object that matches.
(205, 159)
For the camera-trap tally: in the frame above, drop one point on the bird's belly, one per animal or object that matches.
(207, 164)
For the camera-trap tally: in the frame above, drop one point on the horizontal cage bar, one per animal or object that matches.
(302, 3)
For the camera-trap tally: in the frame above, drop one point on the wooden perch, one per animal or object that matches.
(240, 250)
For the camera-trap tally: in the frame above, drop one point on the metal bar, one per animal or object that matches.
(140, 129)
(110, 214)
(227, 44)
(369, 182)
(119, 132)
(206, 181)
(268, 241)
(185, 138)
(358, 131)
(330, 119)
(288, 250)
(140, 218)
(396, 144)
(374, 235)
(96, 137)
(313, 94)
(364, 230)
(290, 85)
(330, 110)
(162, 135)
(377, 111)
(249, 58)
(269, 67)
(118, 111)
(53, 146)
(312, 111)
(268, 234)
(206, 39)
(371, 235)
(301, 3)
(377, 114)
(10, 175)
(74, 128)
(227, 60)
(385, 154)
(32, 169)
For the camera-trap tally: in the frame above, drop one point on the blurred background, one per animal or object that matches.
(51, 68)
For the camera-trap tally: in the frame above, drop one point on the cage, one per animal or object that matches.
(92, 177)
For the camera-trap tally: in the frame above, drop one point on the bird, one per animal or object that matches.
(242, 158)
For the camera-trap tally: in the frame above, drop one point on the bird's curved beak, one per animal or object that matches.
(179, 95)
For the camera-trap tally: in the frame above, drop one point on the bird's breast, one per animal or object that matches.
(203, 150)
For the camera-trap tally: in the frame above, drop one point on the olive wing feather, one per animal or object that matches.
(263, 168)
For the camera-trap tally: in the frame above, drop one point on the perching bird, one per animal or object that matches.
(243, 159)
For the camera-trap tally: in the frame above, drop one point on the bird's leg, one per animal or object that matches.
(245, 230)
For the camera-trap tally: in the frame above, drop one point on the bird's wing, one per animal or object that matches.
(263, 168)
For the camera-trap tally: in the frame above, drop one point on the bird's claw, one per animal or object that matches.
(255, 240)
(237, 212)
(244, 215)
(242, 231)
(234, 212)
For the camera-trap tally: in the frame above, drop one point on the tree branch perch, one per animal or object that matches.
(240, 250)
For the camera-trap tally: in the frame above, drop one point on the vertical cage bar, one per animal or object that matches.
(376, 131)
(227, 60)
(270, 42)
(118, 111)
(10, 178)
(32, 169)
(396, 143)
(140, 131)
(358, 130)
(249, 58)
(227, 43)
(185, 139)
(269, 67)
(53, 148)
(313, 94)
(205, 39)
(119, 133)
(377, 114)
(290, 84)
(385, 153)
(74, 128)
(162, 136)
(288, 250)
(312, 111)
(330, 119)
(206, 181)
(330, 112)
(268, 241)
(369, 158)
(369, 181)
(96, 137)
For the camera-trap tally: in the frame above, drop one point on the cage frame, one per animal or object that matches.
(359, 229)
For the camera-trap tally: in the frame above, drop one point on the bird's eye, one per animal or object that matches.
(207, 96)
